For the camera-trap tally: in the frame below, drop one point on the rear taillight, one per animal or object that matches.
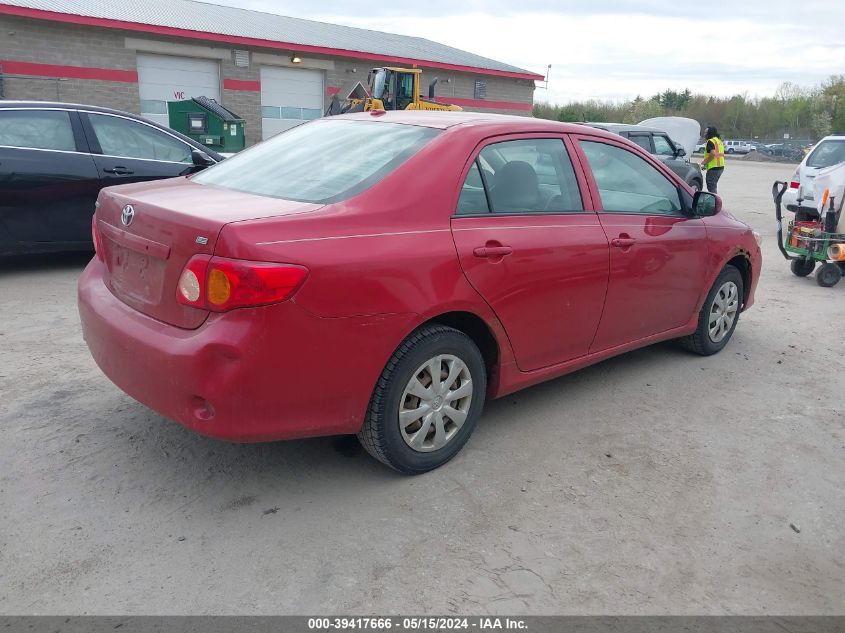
(795, 183)
(95, 236)
(220, 284)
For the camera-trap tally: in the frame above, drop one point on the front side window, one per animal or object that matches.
(130, 139)
(37, 129)
(662, 146)
(523, 176)
(629, 184)
(323, 161)
(827, 154)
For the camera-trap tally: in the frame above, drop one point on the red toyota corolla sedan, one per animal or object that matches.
(386, 273)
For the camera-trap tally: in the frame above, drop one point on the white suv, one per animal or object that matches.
(739, 147)
(827, 152)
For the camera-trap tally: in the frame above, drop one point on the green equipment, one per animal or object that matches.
(207, 122)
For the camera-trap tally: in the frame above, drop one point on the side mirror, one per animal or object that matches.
(706, 204)
(201, 159)
(680, 152)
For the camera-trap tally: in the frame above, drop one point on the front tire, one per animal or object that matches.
(719, 315)
(696, 185)
(427, 401)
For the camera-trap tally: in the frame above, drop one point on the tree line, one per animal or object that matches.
(802, 113)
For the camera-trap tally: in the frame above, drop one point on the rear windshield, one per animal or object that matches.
(323, 161)
(827, 154)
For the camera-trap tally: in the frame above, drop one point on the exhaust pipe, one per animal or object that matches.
(431, 88)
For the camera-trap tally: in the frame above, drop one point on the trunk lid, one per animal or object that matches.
(172, 220)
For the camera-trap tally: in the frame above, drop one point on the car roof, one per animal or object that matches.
(61, 104)
(14, 105)
(496, 122)
(624, 127)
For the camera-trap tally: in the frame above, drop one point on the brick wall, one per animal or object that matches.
(42, 42)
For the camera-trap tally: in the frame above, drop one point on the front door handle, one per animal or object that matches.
(119, 170)
(623, 242)
(492, 252)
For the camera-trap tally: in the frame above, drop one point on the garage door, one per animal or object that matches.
(162, 78)
(289, 97)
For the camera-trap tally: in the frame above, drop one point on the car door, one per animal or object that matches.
(48, 180)
(126, 150)
(667, 154)
(658, 255)
(531, 245)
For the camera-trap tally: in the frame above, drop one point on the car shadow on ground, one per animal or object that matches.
(170, 447)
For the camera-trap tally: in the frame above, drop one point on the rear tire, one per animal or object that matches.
(719, 315)
(696, 185)
(416, 422)
(802, 267)
(828, 275)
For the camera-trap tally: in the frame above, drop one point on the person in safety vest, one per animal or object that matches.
(714, 158)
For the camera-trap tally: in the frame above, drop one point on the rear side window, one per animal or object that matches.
(642, 140)
(629, 184)
(473, 197)
(130, 139)
(523, 176)
(827, 154)
(323, 161)
(37, 129)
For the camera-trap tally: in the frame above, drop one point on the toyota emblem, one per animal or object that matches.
(127, 215)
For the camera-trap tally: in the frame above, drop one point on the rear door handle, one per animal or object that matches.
(119, 170)
(622, 242)
(492, 251)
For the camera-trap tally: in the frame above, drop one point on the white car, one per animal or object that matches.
(739, 147)
(827, 152)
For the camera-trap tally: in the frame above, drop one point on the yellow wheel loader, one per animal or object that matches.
(389, 89)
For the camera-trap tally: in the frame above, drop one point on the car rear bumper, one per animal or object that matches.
(249, 375)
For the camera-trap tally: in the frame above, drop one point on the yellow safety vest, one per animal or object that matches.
(719, 159)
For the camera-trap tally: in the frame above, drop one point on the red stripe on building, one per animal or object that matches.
(12, 67)
(55, 16)
(484, 103)
(241, 84)
(332, 90)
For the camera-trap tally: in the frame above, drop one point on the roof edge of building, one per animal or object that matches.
(71, 18)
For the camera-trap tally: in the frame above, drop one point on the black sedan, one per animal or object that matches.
(55, 158)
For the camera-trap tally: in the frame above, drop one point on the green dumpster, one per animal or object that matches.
(207, 122)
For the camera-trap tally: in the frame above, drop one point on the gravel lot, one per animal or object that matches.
(655, 483)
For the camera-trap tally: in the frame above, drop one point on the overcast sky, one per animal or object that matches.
(618, 49)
